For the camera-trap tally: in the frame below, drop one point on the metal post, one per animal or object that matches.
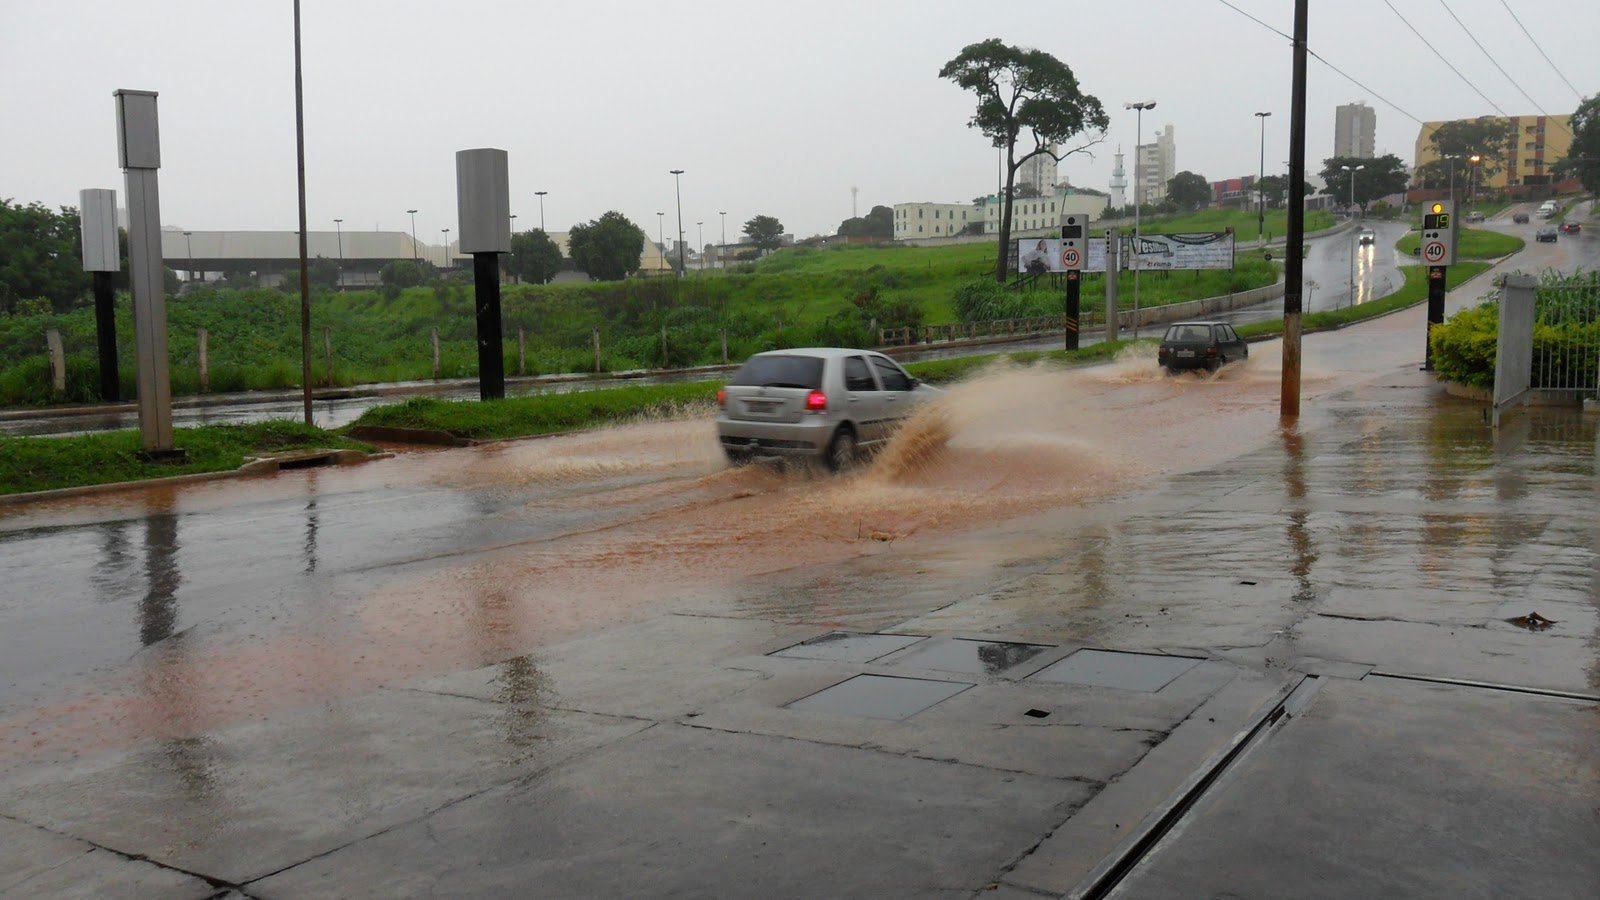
(305, 272)
(677, 186)
(413, 234)
(58, 361)
(491, 350)
(446, 251)
(140, 156)
(1261, 202)
(327, 352)
(597, 349)
(1074, 285)
(1435, 311)
(435, 336)
(1294, 262)
(541, 196)
(338, 225)
(1113, 269)
(105, 326)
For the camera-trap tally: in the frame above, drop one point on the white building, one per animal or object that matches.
(1119, 183)
(924, 220)
(1156, 164)
(1043, 213)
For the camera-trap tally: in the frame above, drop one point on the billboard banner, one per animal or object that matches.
(1044, 255)
(1207, 250)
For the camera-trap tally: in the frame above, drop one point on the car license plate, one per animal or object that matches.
(762, 407)
(1186, 354)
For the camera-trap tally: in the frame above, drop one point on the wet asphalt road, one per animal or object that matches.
(548, 662)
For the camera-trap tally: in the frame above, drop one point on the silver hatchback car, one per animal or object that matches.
(823, 403)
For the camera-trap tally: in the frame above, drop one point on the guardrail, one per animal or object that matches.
(997, 329)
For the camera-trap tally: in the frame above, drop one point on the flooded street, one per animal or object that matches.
(367, 674)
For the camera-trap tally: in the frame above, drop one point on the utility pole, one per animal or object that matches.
(1294, 263)
(677, 187)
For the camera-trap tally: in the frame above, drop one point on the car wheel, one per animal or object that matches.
(842, 449)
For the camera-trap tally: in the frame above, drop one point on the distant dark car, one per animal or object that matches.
(1546, 233)
(1571, 227)
(1200, 345)
(1520, 218)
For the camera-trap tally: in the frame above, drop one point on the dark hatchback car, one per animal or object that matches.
(1520, 218)
(1200, 345)
(1546, 233)
(1571, 227)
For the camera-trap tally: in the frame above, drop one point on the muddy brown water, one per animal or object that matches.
(659, 521)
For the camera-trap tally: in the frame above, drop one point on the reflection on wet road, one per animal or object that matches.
(162, 612)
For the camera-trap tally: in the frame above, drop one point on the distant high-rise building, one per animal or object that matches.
(1039, 171)
(1353, 127)
(1119, 183)
(1158, 162)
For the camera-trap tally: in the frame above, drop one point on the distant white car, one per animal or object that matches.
(1367, 236)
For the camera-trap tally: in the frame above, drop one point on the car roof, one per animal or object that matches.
(820, 352)
(1199, 322)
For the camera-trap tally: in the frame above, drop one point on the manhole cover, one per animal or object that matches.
(969, 656)
(1107, 668)
(844, 646)
(880, 696)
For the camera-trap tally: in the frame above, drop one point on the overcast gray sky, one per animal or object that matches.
(770, 108)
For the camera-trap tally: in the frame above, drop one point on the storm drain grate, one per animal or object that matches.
(969, 656)
(846, 646)
(1108, 668)
(880, 696)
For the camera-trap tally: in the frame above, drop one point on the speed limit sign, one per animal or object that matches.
(1071, 258)
(1433, 252)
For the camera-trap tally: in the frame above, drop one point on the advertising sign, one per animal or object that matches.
(1208, 250)
(1055, 255)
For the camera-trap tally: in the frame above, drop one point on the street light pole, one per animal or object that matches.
(1353, 232)
(701, 240)
(446, 247)
(190, 251)
(413, 234)
(723, 248)
(1261, 202)
(541, 195)
(338, 225)
(1138, 190)
(1472, 179)
(661, 235)
(677, 186)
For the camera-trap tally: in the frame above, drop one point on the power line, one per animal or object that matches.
(1444, 60)
(1497, 65)
(1314, 55)
(1541, 50)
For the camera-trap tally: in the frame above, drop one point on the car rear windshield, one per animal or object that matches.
(1189, 333)
(780, 371)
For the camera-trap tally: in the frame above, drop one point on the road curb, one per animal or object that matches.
(252, 468)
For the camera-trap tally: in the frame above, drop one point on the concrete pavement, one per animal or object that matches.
(1293, 672)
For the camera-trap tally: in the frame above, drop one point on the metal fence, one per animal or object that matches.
(978, 331)
(1548, 342)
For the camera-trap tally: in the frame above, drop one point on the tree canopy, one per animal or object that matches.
(1379, 176)
(1188, 191)
(1487, 138)
(1583, 160)
(879, 223)
(607, 248)
(766, 232)
(41, 256)
(535, 258)
(1028, 101)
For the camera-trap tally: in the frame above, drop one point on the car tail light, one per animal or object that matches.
(816, 401)
(722, 399)
(1211, 351)
(1163, 352)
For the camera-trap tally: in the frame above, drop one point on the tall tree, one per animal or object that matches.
(1378, 177)
(1488, 138)
(607, 248)
(535, 258)
(1188, 191)
(765, 232)
(1583, 160)
(1028, 102)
